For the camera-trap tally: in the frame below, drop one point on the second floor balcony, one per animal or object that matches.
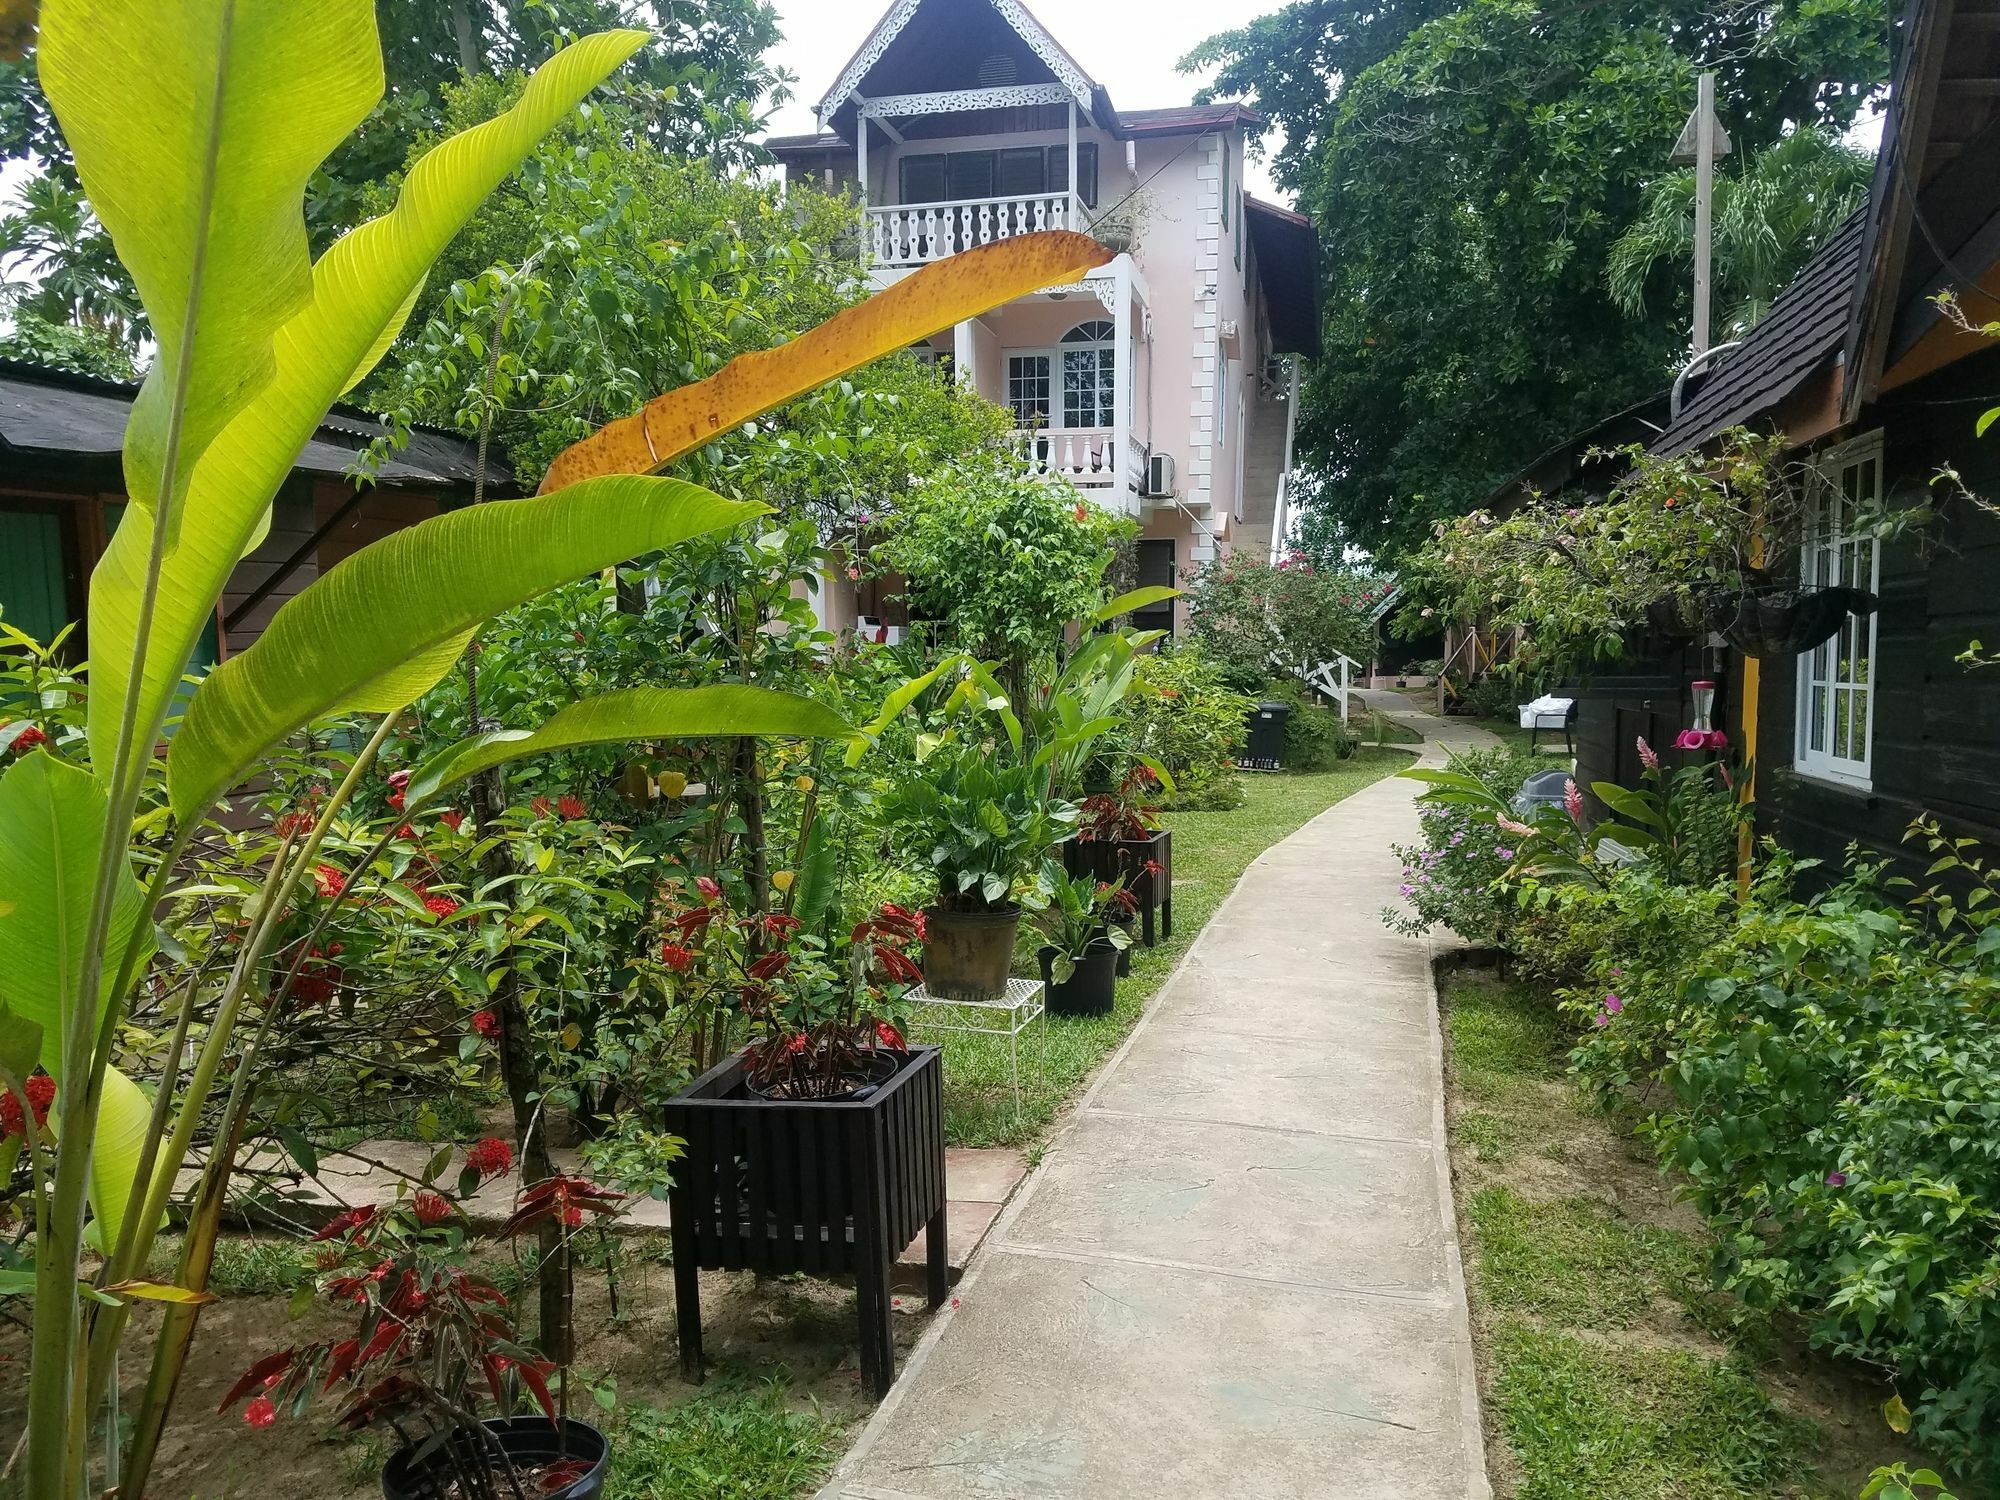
(914, 234)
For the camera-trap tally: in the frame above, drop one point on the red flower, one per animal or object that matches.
(539, 807)
(1154, 867)
(490, 1157)
(440, 906)
(430, 1208)
(260, 1412)
(406, 831)
(571, 808)
(486, 1023)
(347, 1220)
(452, 818)
(329, 881)
(41, 1094)
(293, 825)
(28, 738)
(1082, 511)
(889, 1036)
(677, 958)
(710, 891)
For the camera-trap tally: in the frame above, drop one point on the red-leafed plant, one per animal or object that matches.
(1125, 813)
(821, 1008)
(432, 1350)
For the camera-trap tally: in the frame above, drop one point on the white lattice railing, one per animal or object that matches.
(1086, 456)
(916, 233)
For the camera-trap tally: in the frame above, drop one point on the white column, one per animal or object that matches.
(861, 173)
(1075, 192)
(1121, 381)
(964, 355)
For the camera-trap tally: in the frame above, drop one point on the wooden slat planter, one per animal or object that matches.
(831, 1188)
(1107, 859)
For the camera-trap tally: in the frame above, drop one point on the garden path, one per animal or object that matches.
(1235, 1273)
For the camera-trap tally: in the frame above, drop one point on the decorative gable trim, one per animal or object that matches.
(1075, 84)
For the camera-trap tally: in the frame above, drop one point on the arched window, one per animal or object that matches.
(1089, 382)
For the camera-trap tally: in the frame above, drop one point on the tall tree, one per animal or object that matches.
(1471, 166)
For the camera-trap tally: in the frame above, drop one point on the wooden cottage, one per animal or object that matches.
(62, 492)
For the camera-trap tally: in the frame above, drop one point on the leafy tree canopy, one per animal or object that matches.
(1471, 167)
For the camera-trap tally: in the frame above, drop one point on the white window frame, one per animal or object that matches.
(1007, 358)
(1100, 348)
(1827, 674)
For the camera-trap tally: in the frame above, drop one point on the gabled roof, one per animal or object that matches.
(1802, 332)
(918, 24)
(55, 414)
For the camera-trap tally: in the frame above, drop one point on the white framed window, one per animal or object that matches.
(1836, 705)
(1089, 375)
(1029, 387)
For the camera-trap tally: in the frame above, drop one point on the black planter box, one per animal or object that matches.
(833, 1188)
(1107, 859)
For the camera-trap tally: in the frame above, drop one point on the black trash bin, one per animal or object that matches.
(1265, 749)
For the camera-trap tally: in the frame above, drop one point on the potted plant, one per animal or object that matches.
(820, 1146)
(433, 1348)
(982, 814)
(1086, 940)
(1119, 840)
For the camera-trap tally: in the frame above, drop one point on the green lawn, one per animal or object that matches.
(1608, 1366)
(1211, 849)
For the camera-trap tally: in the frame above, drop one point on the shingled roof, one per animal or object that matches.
(1804, 329)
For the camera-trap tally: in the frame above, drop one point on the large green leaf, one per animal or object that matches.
(359, 288)
(52, 828)
(634, 714)
(386, 624)
(195, 127)
(1124, 604)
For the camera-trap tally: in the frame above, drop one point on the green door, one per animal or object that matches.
(34, 590)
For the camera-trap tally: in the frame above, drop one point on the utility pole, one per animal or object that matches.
(1702, 139)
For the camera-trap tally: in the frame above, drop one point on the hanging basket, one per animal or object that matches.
(1767, 623)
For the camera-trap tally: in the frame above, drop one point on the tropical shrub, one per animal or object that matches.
(1453, 879)
(1184, 715)
(1254, 617)
(1836, 1093)
(1316, 737)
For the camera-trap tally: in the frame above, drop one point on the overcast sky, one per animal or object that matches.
(1129, 46)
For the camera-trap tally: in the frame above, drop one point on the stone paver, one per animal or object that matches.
(1235, 1274)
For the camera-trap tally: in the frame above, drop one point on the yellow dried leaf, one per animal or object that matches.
(804, 783)
(1897, 1414)
(672, 783)
(572, 1036)
(782, 879)
(942, 294)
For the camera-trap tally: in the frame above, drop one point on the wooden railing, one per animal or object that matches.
(1086, 456)
(914, 234)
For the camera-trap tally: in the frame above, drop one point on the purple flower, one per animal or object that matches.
(1499, 854)
(1836, 1179)
(1613, 1004)
(1615, 973)
(1407, 889)
(1601, 1019)
(1458, 838)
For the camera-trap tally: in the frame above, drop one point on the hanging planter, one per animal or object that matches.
(1767, 621)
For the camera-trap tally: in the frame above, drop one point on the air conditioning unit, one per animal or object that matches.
(1159, 484)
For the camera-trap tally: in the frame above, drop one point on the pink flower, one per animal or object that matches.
(430, 1208)
(1573, 801)
(1508, 825)
(710, 891)
(1647, 756)
(260, 1412)
(1836, 1179)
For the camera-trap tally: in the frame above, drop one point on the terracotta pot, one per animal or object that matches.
(968, 954)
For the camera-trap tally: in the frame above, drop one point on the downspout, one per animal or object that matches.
(1279, 521)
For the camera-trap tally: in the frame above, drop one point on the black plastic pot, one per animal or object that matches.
(418, 1472)
(877, 1065)
(967, 954)
(1092, 985)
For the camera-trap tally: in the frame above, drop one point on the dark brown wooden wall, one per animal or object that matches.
(1937, 723)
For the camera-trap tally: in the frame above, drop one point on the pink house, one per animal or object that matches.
(1163, 387)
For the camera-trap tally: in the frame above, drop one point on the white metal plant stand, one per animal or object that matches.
(1013, 1013)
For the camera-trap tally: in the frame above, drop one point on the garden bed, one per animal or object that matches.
(1607, 1366)
(775, 1415)
(1211, 850)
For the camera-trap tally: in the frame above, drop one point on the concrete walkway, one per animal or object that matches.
(1235, 1274)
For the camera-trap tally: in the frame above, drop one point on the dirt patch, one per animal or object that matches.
(798, 1332)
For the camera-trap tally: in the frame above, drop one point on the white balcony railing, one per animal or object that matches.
(1086, 456)
(916, 233)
